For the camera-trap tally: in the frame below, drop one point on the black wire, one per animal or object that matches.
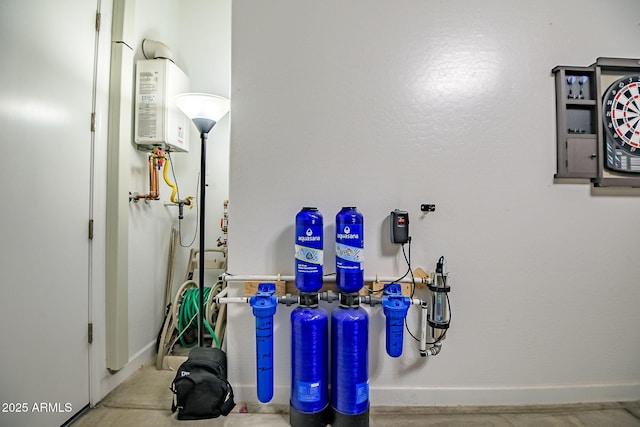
(377, 291)
(413, 283)
(195, 232)
(408, 260)
(173, 174)
(407, 326)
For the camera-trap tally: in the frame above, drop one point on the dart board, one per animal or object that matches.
(621, 119)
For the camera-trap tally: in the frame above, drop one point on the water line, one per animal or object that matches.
(326, 279)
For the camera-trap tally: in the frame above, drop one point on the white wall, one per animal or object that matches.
(204, 39)
(173, 22)
(177, 24)
(387, 105)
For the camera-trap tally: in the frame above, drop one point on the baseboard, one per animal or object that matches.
(490, 396)
(476, 396)
(113, 379)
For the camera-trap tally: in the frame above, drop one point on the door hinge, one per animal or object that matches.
(98, 18)
(93, 122)
(90, 333)
(90, 229)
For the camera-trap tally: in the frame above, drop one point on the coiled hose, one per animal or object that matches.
(188, 313)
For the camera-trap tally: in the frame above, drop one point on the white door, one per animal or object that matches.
(46, 73)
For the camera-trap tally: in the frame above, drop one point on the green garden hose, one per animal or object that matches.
(188, 313)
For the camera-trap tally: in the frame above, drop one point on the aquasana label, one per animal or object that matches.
(349, 250)
(308, 249)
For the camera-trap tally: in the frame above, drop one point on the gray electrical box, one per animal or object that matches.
(598, 122)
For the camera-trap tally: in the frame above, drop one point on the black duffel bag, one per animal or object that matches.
(200, 387)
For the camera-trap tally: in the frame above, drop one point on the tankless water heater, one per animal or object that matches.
(158, 122)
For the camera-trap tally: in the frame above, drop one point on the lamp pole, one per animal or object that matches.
(203, 187)
(204, 110)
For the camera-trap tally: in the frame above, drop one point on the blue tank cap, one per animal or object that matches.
(392, 289)
(264, 303)
(394, 303)
(395, 307)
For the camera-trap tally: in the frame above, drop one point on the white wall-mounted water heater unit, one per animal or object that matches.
(158, 122)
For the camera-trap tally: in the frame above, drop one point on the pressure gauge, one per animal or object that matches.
(621, 118)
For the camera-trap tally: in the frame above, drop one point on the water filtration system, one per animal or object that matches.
(309, 250)
(349, 250)
(264, 305)
(439, 316)
(309, 400)
(350, 364)
(350, 325)
(395, 307)
(309, 326)
(344, 401)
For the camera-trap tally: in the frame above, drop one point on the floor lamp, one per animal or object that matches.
(205, 111)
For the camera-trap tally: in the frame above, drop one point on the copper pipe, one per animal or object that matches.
(154, 189)
(153, 177)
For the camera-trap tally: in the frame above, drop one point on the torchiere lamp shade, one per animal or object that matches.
(203, 109)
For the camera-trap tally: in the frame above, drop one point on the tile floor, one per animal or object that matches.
(144, 400)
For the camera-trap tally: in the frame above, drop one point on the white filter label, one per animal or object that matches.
(349, 253)
(308, 392)
(309, 255)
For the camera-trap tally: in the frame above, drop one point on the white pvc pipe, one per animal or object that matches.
(414, 301)
(423, 330)
(228, 300)
(273, 278)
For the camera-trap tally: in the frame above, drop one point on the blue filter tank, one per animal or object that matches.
(349, 250)
(395, 307)
(309, 365)
(350, 366)
(264, 305)
(309, 250)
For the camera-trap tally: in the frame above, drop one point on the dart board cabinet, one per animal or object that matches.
(598, 122)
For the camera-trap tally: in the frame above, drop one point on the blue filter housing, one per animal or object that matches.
(349, 250)
(309, 250)
(309, 362)
(395, 307)
(349, 365)
(264, 305)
